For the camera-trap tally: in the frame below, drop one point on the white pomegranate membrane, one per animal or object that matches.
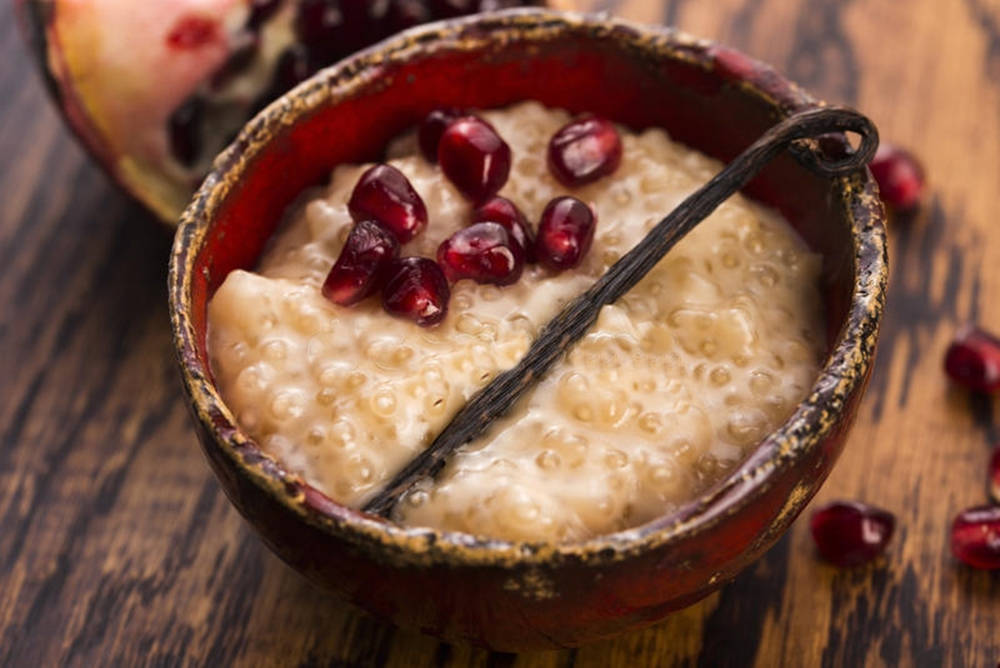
(672, 387)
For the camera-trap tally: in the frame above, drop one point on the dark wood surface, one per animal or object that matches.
(117, 546)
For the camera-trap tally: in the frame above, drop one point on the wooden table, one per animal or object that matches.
(117, 546)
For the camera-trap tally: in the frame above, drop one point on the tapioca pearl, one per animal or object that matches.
(615, 459)
(326, 396)
(356, 380)
(254, 380)
(548, 460)
(316, 436)
(383, 402)
(652, 423)
(417, 498)
(746, 426)
(274, 350)
(664, 478)
(287, 405)
(720, 376)
(436, 404)
(249, 420)
(572, 448)
(761, 381)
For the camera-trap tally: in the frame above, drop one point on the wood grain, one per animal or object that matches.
(118, 548)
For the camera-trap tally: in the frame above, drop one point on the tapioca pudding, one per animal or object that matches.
(675, 383)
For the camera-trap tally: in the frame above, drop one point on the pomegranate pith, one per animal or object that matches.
(584, 150)
(363, 264)
(565, 233)
(431, 129)
(973, 360)
(474, 157)
(484, 252)
(383, 193)
(851, 533)
(416, 289)
(994, 474)
(899, 175)
(975, 537)
(502, 211)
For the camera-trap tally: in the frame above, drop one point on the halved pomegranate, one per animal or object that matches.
(156, 89)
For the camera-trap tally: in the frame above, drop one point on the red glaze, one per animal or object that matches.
(973, 360)
(484, 252)
(416, 289)
(994, 474)
(848, 533)
(584, 150)
(431, 129)
(501, 210)
(975, 537)
(383, 193)
(363, 264)
(474, 157)
(900, 177)
(565, 233)
(514, 596)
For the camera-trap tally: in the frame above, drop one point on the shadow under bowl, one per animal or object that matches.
(516, 596)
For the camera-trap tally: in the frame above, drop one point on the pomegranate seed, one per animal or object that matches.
(851, 533)
(384, 194)
(184, 130)
(484, 252)
(416, 289)
(432, 128)
(504, 212)
(362, 265)
(474, 157)
(899, 175)
(973, 360)
(995, 474)
(584, 150)
(565, 233)
(975, 537)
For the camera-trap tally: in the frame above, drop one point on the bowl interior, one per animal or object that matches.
(351, 112)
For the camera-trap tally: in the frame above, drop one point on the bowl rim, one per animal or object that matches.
(844, 370)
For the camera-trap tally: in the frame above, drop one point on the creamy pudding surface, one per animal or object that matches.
(671, 388)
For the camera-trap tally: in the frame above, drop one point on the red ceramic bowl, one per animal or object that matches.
(515, 596)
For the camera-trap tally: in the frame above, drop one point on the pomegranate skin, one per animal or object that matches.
(900, 177)
(565, 233)
(504, 212)
(848, 533)
(474, 157)
(484, 252)
(383, 193)
(417, 290)
(584, 151)
(975, 537)
(973, 360)
(362, 265)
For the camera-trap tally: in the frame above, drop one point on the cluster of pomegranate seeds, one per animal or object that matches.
(973, 360)
(850, 533)
(474, 157)
(584, 150)
(363, 264)
(565, 233)
(417, 289)
(975, 537)
(484, 252)
(383, 193)
(899, 175)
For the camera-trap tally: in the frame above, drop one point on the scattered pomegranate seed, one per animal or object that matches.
(192, 32)
(994, 472)
(431, 129)
(416, 289)
(975, 537)
(851, 533)
(484, 252)
(584, 150)
(899, 175)
(504, 212)
(474, 157)
(384, 194)
(565, 233)
(362, 265)
(973, 360)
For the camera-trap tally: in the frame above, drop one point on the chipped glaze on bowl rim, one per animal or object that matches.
(844, 370)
